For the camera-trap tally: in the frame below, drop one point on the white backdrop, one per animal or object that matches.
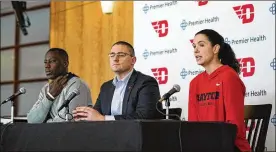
(163, 31)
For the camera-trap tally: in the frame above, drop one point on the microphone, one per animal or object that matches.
(71, 96)
(19, 8)
(19, 92)
(176, 88)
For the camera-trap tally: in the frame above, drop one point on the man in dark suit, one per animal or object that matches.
(130, 95)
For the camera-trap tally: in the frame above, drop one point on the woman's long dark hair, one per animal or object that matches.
(226, 53)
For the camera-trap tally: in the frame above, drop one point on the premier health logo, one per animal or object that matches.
(184, 23)
(272, 9)
(273, 120)
(245, 40)
(184, 73)
(273, 64)
(147, 7)
(146, 54)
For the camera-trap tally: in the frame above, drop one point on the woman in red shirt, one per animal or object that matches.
(217, 94)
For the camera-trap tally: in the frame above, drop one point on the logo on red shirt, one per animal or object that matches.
(161, 27)
(160, 74)
(247, 66)
(245, 13)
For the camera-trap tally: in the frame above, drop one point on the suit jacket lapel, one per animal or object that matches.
(109, 97)
(129, 87)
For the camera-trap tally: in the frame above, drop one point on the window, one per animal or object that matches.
(22, 56)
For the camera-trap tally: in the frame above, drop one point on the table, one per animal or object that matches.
(123, 136)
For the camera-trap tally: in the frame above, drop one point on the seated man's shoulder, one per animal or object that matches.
(78, 82)
(144, 77)
(75, 80)
(107, 83)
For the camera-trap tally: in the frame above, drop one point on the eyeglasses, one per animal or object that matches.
(119, 54)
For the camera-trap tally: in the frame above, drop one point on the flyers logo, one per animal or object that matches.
(201, 3)
(161, 27)
(247, 66)
(245, 13)
(160, 74)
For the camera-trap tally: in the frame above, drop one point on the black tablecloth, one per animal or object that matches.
(136, 135)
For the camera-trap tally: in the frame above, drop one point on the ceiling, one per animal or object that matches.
(7, 7)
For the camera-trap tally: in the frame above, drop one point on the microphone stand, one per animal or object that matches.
(67, 113)
(167, 104)
(12, 111)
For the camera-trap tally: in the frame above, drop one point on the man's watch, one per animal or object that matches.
(49, 96)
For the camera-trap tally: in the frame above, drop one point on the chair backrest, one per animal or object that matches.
(176, 111)
(256, 119)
